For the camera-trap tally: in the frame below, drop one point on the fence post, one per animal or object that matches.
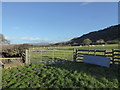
(26, 56)
(89, 52)
(105, 53)
(41, 55)
(53, 55)
(75, 55)
(112, 56)
(95, 52)
(29, 55)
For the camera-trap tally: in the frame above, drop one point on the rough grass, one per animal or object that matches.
(60, 75)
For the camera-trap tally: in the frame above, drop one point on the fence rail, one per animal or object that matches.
(4, 61)
(77, 54)
(113, 54)
(11, 58)
(40, 55)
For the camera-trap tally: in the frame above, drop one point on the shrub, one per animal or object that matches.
(15, 50)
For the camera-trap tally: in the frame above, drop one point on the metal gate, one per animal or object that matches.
(48, 56)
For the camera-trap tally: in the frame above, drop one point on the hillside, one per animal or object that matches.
(3, 40)
(109, 34)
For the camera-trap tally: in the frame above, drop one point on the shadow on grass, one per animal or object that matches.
(91, 69)
(47, 59)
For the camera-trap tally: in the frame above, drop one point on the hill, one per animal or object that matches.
(3, 40)
(109, 35)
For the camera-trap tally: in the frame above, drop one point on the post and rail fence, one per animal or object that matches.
(113, 54)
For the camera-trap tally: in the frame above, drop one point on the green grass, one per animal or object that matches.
(47, 56)
(107, 46)
(60, 75)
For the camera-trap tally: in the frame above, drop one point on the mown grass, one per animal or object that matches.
(60, 75)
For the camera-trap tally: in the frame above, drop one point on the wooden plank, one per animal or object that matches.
(116, 50)
(109, 55)
(108, 52)
(92, 50)
(79, 56)
(100, 50)
(10, 58)
(82, 50)
(116, 54)
(116, 61)
(79, 59)
(82, 53)
(101, 55)
(116, 57)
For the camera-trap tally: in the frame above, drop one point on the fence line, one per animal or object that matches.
(77, 55)
(113, 54)
(41, 54)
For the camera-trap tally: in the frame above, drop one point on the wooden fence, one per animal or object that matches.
(10, 59)
(113, 54)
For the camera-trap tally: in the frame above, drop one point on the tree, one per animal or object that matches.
(100, 41)
(87, 41)
(3, 40)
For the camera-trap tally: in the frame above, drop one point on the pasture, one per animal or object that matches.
(65, 74)
(38, 54)
(60, 75)
(107, 46)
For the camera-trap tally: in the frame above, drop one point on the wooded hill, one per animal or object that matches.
(110, 35)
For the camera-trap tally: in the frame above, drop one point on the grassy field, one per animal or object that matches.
(50, 56)
(41, 56)
(111, 46)
(60, 75)
(65, 74)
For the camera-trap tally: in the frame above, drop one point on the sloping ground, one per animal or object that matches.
(60, 75)
(110, 34)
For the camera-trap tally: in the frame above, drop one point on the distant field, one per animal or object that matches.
(112, 46)
(60, 75)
